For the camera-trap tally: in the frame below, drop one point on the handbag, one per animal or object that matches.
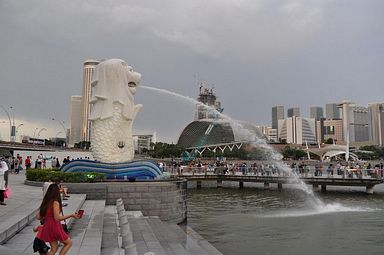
(65, 227)
(7, 192)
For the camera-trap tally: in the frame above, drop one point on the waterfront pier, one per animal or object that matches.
(316, 181)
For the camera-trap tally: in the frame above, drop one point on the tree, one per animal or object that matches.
(293, 153)
(165, 150)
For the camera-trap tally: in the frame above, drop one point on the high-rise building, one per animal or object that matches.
(297, 130)
(294, 111)
(277, 114)
(269, 133)
(144, 142)
(332, 112)
(88, 70)
(355, 123)
(332, 129)
(376, 123)
(75, 120)
(316, 112)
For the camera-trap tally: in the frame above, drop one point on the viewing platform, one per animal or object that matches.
(323, 181)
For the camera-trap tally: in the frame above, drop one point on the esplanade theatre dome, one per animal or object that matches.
(210, 129)
(216, 131)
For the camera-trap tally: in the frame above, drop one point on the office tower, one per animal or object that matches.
(355, 123)
(316, 112)
(277, 114)
(294, 111)
(332, 112)
(333, 129)
(88, 70)
(297, 130)
(75, 120)
(376, 123)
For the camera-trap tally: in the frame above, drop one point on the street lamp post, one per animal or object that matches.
(38, 134)
(13, 127)
(64, 129)
(41, 130)
(34, 133)
(10, 122)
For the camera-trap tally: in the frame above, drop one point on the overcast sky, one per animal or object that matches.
(256, 53)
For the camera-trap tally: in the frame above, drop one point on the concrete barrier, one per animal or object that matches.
(165, 199)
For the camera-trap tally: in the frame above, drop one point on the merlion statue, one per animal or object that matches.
(112, 111)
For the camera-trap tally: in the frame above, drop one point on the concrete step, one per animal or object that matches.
(23, 240)
(171, 235)
(201, 241)
(110, 244)
(87, 232)
(16, 219)
(144, 238)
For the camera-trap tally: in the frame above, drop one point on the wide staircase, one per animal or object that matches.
(104, 229)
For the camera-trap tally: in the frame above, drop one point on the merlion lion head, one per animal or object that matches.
(114, 81)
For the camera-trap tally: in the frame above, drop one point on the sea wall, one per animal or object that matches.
(166, 199)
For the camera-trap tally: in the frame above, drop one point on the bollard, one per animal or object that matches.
(130, 250)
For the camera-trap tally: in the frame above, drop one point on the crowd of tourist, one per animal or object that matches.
(264, 168)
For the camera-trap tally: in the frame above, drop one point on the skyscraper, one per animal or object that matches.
(294, 111)
(332, 112)
(277, 114)
(355, 123)
(316, 112)
(88, 70)
(75, 120)
(297, 130)
(376, 123)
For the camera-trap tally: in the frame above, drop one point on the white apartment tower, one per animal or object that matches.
(297, 130)
(75, 120)
(376, 123)
(88, 70)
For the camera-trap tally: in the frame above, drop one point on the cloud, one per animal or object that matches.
(258, 53)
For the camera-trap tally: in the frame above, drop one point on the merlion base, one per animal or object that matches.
(141, 169)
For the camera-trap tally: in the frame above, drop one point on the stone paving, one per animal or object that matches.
(21, 207)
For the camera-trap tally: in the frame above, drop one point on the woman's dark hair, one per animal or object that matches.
(52, 194)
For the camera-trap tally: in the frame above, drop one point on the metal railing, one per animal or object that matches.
(309, 172)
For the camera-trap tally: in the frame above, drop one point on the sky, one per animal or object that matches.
(256, 54)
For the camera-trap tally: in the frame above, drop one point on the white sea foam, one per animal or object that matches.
(325, 209)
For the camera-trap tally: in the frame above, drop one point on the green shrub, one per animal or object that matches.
(43, 175)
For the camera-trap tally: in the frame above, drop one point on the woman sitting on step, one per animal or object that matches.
(51, 211)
